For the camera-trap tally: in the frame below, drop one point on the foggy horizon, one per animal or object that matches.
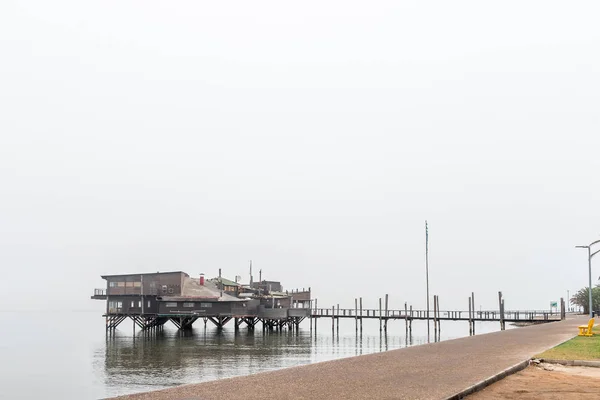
(314, 139)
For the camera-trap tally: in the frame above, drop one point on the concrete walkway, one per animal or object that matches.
(434, 371)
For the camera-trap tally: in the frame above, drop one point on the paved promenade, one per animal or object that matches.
(434, 371)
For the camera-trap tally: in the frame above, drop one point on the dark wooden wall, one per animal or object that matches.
(207, 307)
(160, 284)
(129, 304)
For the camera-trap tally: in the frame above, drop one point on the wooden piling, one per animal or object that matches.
(361, 313)
(434, 321)
(470, 317)
(316, 313)
(501, 312)
(473, 305)
(439, 324)
(355, 314)
(386, 313)
(311, 312)
(380, 327)
(338, 320)
(437, 310)
(332, 319)
(502, 316)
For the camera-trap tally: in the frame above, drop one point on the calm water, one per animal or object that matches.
(71, 358)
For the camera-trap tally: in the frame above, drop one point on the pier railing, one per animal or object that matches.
(484, 315)
(99, 294)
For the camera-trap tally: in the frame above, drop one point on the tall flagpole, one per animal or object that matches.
(427, 273)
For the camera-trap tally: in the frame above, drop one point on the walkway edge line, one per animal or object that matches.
(488, 381)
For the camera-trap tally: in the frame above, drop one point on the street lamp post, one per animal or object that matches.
(590, 255)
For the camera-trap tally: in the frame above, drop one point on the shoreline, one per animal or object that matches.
(453, 365)
(306, 349)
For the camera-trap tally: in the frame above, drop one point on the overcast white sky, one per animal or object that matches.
(312, 137)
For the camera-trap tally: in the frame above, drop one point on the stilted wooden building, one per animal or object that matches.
(152, 299)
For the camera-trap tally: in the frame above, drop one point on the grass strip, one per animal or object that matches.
(578, 348)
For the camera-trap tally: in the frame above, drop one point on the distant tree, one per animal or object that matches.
(581, 298)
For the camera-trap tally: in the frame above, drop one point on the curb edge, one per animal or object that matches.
(574, 363)
(488, 381)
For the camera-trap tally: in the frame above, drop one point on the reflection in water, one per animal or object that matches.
(147, 362)
(71, 358)
(174, 357)
(138, 363)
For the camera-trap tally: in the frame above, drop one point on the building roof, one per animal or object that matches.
(192, 290)
(278, 294)
(226, 282)
(143, 273)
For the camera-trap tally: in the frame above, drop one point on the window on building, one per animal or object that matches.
(112, 284)
(171, 304)
(188, 304)
(132, 303)
(137, 284)
(115, 306)
(139, 304)
(121, 284)
(128, 284)
(206, 305)
(148, 303)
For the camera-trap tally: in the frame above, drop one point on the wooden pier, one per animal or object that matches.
(150, 300)
(155, 323)
(279, 319)
(436, 315)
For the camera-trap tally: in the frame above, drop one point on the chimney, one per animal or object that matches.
(251, 273)
(201, 279)
(220, 283)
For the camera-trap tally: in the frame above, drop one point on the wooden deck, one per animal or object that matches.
(450, 315)
(279, 318)
(384, 314)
